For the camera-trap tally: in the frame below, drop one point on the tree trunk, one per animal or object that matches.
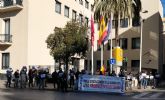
(117, 30)
(59, 64)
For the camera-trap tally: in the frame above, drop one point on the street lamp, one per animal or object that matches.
(141, 38)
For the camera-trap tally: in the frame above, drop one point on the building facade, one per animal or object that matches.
(26, 24)
(129, 34)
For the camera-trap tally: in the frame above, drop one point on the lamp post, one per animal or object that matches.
(141, 39)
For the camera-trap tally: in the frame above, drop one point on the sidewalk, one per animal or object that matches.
(135, 89)
(148, 89)
(2, 83)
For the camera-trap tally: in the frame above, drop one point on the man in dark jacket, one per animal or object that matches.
(54, 77)
(9, 76)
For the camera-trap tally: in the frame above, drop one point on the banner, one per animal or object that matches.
(99, 83)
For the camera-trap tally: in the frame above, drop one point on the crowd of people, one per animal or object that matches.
(144, 79)
(34, 77)
(38, 77)
(62, 80)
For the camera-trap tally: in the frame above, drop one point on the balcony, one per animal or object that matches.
(5, 39)
(10, 5)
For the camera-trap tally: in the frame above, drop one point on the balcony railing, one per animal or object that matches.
(10, 5)
(5, 38)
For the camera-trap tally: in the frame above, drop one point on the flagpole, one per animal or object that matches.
(111, 53)
(111, 44)
(92, 59)
(92, 41)
(101, 54)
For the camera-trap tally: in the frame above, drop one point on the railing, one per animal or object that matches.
(5, 38)
(6, 3)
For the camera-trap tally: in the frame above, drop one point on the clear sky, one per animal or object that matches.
(163, 2)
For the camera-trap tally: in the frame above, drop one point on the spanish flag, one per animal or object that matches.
(102, 69)
(102, 31)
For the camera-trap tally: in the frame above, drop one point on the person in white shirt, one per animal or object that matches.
(143, 81)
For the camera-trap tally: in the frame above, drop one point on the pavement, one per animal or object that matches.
(51, 94)
(134, 89)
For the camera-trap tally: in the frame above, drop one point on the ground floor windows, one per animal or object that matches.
(135, 63)
(5, 60)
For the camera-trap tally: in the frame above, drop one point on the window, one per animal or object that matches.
(136, 21)
(66, 11)
(5, 60)
(86, 64)
(81, 18)
(58, 7)
(86, 4)
(123, 43)
(136, 43)
(98, 64)
(113, 23)
(73, 15)
(124, 22)
(109, 45)
(86, 21)
(92, 7)
(90, 65)
(6, 37)
(7, 26)
(135, 63)
(81, 2)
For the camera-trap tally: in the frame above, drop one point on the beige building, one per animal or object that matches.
(26, 24)
(152, 29)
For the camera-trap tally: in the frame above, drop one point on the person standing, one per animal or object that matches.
(23, 77)
(54, 77)
(156, 79)
(129, 80)
(30, 75)
(77, 78)
(42, 76)
(64, 82)
(9, 76)
(16, 75)
(60, 79)
(71, 78)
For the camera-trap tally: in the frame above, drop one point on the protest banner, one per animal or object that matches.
(100, 83)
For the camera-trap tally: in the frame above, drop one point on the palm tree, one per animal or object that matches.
(120, 9)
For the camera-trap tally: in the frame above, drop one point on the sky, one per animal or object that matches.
(163, 2)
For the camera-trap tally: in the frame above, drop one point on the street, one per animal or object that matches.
(50, 94)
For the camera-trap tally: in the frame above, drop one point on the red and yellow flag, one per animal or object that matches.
(102, 31)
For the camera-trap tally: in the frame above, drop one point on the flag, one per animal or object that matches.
(92, 31)
(103, 31)
(102, 69)
(108, 32)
